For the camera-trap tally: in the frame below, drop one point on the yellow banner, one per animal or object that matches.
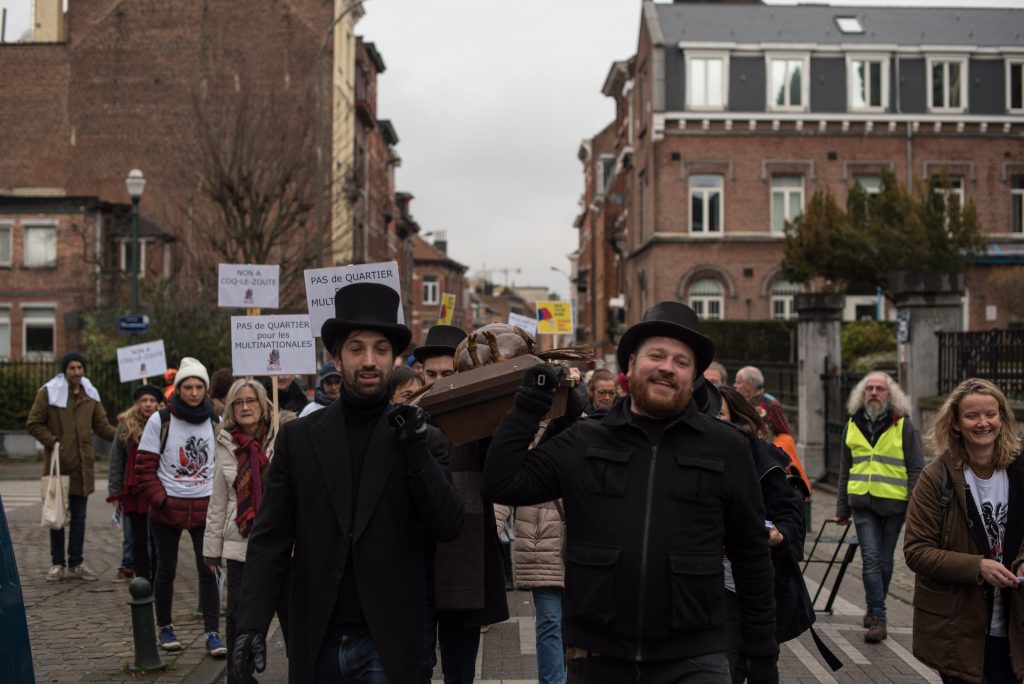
(554, 318)
(447, 310)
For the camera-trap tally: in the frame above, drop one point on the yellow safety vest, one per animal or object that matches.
(878, 470)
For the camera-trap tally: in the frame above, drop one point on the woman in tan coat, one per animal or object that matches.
(965, 528)
(245, 445)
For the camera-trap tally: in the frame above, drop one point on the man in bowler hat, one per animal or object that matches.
(652, 492)
(350, 496)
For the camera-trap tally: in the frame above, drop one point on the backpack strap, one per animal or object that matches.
(165, 427)
(944, 499)
(826, 653)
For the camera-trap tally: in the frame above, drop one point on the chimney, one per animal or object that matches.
(441, 240)
(48, 26)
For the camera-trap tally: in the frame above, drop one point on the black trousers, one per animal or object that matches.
(998, 668)
(166, 539)
(139, 523)
(712, 668)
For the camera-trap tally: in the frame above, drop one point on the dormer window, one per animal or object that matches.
(706, 80)
(788, 82)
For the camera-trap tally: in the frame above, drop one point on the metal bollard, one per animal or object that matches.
(143, 626)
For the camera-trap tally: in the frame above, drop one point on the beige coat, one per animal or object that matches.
(537, 548)
(72, 426)
(222, 538)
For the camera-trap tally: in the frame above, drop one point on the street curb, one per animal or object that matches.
(208, 671)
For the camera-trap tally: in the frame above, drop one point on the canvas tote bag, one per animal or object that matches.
(54, 489)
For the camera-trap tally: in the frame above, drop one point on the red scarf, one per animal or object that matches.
(252, 466)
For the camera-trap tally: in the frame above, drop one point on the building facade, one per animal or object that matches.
(730, 116)
(434, 275)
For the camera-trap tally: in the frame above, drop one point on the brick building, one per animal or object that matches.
(730, 116)
(435, 274)
(61, 257)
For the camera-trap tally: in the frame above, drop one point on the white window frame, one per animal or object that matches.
(26, 319)
(1017, 198)
(785, 297)
(692, 57)
(40, 225)
(866, 189)
(5, 323)
(1011, 64)
(958, 182)
(706, 203)
(703, 303)
(8, 228)
(805, 81)
(124, 247)
(431, 292)
(787, 208)
(944, 107)
(851, 69)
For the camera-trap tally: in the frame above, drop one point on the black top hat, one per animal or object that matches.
(441, 341)
(366, 306)
(707, 397)
(667, 319)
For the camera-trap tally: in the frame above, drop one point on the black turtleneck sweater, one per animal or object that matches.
(361, 416)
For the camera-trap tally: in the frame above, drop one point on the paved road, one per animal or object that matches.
(82, 631)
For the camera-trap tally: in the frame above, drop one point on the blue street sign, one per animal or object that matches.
(139, 323)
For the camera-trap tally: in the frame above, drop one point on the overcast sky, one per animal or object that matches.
(491, 101)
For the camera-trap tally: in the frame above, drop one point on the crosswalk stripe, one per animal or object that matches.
(855, 656)
(840, 607)
(907, 657)
(810, 662)
(527, 635)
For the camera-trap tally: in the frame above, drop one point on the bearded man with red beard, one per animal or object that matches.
(653, 491)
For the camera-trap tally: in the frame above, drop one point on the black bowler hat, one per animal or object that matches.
(668, 319)
(366, 306)
(442, 340)
(151, 390)
(707, 397)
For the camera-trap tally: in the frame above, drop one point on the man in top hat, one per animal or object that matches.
(438, 352)
(351, 493)
(652, 492)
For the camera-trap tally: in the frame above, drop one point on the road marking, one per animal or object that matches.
(810, 662)
(840, 607)
(855, 656)
(20, 494)
(919, 667)
(848, 627)
(527, 635)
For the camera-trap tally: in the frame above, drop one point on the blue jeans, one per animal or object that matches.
(349, 660)
(76, 535)
(547, 604)
(877, 536)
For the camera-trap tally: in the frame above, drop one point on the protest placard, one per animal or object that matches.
(248, 286)
(138, 361)
(524, 323)
(322, 283)
(272, 345)
(447, 310)
(554, 318)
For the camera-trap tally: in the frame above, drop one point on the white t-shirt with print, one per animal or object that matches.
(186, 464)
(992, 498)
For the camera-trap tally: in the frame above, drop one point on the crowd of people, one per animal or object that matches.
(648, 520)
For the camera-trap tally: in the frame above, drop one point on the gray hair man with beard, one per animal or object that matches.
(881, 461)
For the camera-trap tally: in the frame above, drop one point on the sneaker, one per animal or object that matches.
(877, 632)
(82, 573)
(168, 639)
(56, 574)
(214, 646)
(124, 575)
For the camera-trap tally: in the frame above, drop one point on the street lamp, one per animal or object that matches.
(136, 183)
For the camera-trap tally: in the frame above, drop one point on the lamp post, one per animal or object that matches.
(320, 128)
(136, 183)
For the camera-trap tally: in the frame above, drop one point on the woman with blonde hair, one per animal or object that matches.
(245, 445)
(122, 489)
(965, 528)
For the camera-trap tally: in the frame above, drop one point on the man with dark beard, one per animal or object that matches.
(351, 493)
(881, 461)
(652, 492)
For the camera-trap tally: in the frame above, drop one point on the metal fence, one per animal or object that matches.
(780, 379)
(996, 355)
(837, 388)
(20, 382)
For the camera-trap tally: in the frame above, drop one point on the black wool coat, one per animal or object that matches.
(307, 524)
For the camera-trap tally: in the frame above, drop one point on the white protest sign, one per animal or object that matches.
(322, 283)
(248, 285)
(146, 360)
(526, 323)
(272, 345)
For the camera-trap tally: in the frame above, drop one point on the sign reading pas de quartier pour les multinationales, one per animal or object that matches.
(272, 345)
(248, 285)
(323, 283)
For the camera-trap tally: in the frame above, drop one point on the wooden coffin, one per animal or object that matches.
(469, 406)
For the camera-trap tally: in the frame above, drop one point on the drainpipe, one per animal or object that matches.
(96, 266)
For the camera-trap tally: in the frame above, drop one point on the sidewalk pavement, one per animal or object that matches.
(82, 631)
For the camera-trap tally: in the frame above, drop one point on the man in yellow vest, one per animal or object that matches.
(881, 461)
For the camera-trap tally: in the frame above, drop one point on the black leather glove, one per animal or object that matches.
(250, 655)
(537, 393)
(762, 670)
(410, 424)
